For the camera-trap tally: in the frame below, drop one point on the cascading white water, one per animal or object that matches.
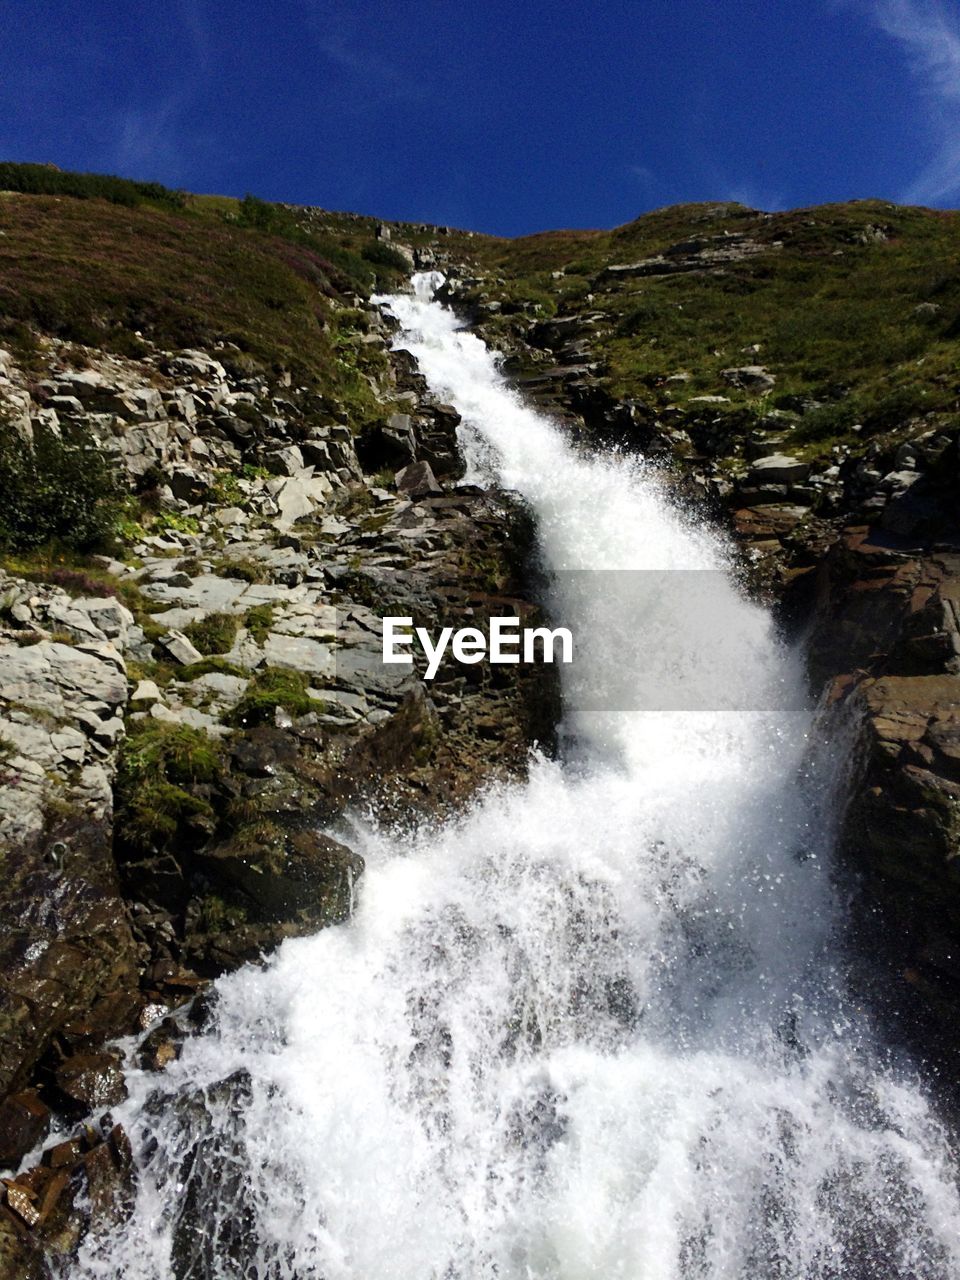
(594, 1028)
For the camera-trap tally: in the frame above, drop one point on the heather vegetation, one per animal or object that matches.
(120, 265)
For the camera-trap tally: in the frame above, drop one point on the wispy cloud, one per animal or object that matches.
(930, 36)
(157, 134)
(341, 34)
(752, 195)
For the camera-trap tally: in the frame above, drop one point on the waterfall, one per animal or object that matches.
(595, 1027)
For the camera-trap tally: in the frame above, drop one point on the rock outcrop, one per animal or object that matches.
(181, 720)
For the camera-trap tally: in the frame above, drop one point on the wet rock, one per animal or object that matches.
(161, 1047)
(24, 1121)
(91, 1080)
(289, 875)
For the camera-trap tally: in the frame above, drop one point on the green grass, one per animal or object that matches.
(210, 666)
(213, 634)
(157, 767)
(258, 620)
(271, 689)
(835, 312)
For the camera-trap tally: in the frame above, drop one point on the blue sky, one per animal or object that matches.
(506, 117)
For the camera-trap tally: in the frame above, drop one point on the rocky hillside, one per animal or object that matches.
(216, 477)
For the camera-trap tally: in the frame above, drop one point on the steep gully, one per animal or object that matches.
(599, 1025)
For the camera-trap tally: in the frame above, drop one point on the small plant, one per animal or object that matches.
(215, 633)
(226, 491)
(258, 621)
(174, 522)
(271, 689)
(244, 568)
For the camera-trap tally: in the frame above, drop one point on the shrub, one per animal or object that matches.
(245, 569)
(384, 255)
(157, 764)
(258, 621)
(46, 179)
(62, 489)
(271, 689)
(213, 634)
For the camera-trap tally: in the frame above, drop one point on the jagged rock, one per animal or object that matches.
(417, 480)
(187, 484)
(109, 616)
(284, 462)
(24, 1121)
(387, 446)
(91, 1080)
(299, 497)
(300, 872)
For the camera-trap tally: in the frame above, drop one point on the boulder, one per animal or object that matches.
(91, 1080)
(180, 649)
(779, 468)
(417, 481)
(284, 462)
(750, 377)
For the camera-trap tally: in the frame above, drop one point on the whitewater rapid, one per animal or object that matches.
(598, 1026)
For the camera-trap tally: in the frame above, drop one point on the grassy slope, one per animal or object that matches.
(834, 311)
(102, 261)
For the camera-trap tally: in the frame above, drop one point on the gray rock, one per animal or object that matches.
(779, 468)
(284, 462)
(180, 648)
(299, 497)
(110, 616)
(749, 377)
(230, 515)
(145, 695)
(299, 653)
